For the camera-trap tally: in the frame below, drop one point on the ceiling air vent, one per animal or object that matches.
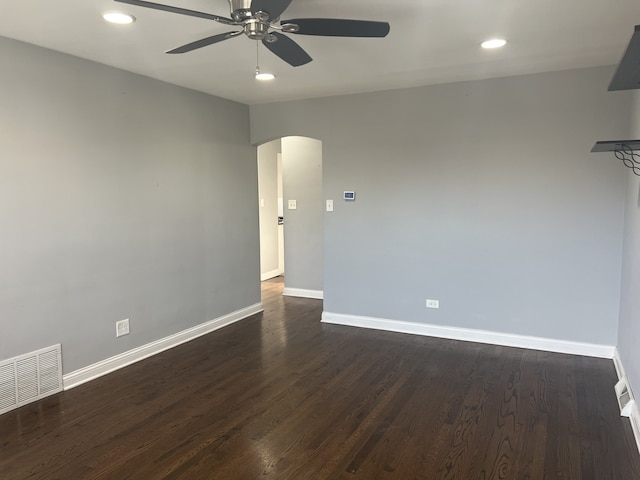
(30, 377)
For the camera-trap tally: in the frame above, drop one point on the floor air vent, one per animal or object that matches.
(625, 400)
(30, 377)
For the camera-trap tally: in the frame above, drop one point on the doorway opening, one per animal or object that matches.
(291, 214)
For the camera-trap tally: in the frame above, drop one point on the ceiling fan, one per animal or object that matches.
(260, 20)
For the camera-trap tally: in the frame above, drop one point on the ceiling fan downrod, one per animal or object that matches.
(240, 10)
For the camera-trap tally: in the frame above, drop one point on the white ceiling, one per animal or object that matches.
(431, 41)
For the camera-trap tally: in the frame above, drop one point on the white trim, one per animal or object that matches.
(301, 292)
(91, 372)
(471, 335)
(635, 423)
(635, 411)
(270, 275)
(617, 362)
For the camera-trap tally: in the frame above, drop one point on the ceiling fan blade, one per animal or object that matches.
(334, 27)
(273, 7)
(204, 42)
(181, 11)
(287, 50)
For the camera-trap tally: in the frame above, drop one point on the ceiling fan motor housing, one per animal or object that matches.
(256, 30)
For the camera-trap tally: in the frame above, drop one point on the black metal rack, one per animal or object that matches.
(624, 150)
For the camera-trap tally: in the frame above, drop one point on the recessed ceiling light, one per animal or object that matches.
(119, 18)
(264, 77)
(494, 43)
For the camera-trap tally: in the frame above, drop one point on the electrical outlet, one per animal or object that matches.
(122, 328)
(433, 303)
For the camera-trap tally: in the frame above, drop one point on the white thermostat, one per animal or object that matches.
(349, 195)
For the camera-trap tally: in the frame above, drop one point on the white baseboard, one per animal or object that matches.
(617, 362)
(301, 292)
(471, 335)
(635, 423)
(635, 411)
(122, 360)
(269, 275)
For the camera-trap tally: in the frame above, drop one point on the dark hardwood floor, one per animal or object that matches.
(282, 396)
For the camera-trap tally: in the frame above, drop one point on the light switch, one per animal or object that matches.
(329, 205)
(293, 205)
(262, 202)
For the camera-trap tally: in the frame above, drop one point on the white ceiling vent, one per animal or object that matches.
(30, 377)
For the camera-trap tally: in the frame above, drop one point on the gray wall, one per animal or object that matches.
(268, 193)
(480, 194)
(629, 333)
(302, 181)
(120, 197)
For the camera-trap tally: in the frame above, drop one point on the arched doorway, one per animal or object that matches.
(290, 186)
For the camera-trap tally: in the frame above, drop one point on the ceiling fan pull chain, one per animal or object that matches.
(257, 58)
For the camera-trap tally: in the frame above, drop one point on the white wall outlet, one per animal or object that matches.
(433, 303)
(293, 205)
(329, 205)
(262, 202)
(122, 328)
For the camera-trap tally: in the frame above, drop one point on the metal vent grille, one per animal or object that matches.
(30, 377)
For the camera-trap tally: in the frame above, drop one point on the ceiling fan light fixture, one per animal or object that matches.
(119, 18)
(264, 76)
(493, 43)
